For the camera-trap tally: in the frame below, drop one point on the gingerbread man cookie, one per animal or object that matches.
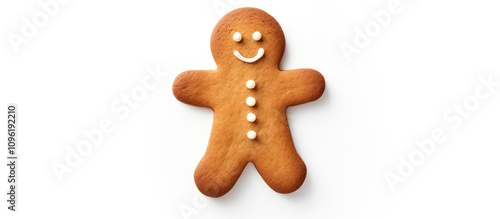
(249, 95)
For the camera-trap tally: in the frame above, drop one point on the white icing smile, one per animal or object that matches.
(237, 37)
(259, 55)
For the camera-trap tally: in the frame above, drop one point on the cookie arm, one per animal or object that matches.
(302, 86)
(193, 87)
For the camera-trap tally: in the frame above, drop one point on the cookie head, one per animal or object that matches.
(247, 36)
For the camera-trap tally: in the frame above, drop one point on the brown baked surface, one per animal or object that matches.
(223, 90)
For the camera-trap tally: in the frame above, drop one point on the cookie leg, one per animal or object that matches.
(284, 172)
(217, 173)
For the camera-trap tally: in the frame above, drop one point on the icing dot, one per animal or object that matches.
(251, 134)
(251, 101)
(250, 84)
(256, 35)
(251, 117)
(237, 37)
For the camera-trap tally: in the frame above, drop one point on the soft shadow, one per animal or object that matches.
(248, 178)
(303, 194)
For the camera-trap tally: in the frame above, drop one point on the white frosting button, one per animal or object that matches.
(251, 117)
(251, 101)
(251, 134)
(250, 84)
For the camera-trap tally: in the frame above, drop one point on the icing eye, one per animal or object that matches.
(237, 37)
(256, 35)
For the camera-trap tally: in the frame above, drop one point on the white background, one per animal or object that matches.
(394, 91)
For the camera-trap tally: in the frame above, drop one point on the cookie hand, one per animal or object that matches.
(302, 86)
(193, 87)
